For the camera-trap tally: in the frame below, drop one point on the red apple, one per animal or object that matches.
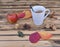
(12, 18)
(20, 15)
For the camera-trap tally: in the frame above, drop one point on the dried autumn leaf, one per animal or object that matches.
(53, 27)
(52, 15)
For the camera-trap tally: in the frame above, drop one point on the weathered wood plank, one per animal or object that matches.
(3, 16)
(10, 27)
(22, 8)
(26, 0)
(16, 38)
(47, 4)
(14, 41)
(24, 44)
(37, 0)
(4, 25)
(22, 1)
(4, 19)
(57, 32)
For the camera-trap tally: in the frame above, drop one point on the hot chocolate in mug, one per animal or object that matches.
(39, 14)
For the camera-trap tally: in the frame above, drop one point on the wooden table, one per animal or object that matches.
(13, 6)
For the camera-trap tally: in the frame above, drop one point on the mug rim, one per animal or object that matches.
(35, 7)
(38, 13)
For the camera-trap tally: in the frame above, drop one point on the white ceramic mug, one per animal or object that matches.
(38, 18)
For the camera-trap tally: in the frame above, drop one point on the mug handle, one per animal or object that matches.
(47, 13)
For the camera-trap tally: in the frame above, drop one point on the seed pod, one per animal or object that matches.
(26, 26)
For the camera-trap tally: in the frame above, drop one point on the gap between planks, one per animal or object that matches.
(25, 38)
(28, 32)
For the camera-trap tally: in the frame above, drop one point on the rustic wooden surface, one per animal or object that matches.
(13, 6)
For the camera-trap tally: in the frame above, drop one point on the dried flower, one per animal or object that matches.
(26, 26)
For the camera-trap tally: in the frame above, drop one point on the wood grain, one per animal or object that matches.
(4, 25)
(4, 12)
(25, 38)
(24, 44)
(50, 4)
(8, 38)
(14, 6)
